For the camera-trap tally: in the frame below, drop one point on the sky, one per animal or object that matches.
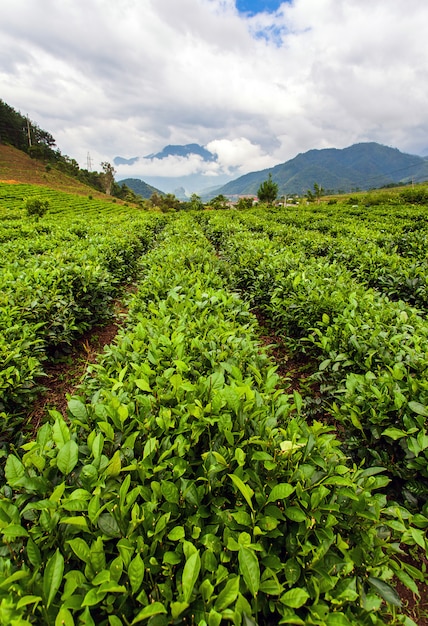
(255, 82)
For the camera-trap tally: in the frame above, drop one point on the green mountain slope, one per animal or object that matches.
(361, 166)
(140, 187)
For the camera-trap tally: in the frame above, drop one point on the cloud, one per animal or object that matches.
(131, 76)
(237, 155)
(171, 166)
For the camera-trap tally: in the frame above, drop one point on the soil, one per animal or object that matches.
(416, 607)
(64, 374)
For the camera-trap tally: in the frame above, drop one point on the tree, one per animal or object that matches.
(165, 202)
(36, 207)
(219, 202)
(195, 203)
(315, 194)
(245, 203)
(108, 176)
(268, 191)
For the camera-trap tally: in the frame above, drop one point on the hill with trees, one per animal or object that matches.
(362, 167)
(140, 187)
(29, 154)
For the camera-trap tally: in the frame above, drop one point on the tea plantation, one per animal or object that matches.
(189, 483)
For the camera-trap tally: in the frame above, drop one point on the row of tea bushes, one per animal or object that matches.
(59, 278)
(372, 352)
(392, 262)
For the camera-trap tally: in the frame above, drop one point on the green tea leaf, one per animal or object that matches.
(52, 576)
(136, 573)
(271, 587)
(93, 597)
(418, 408)
(170, 491)
(67, 457)
(250, 569)
(228, 594)
(142, 384)
(115, 465)
(108, 525)
(295, 514)
(176, 533)
(33, 553)
(280, 492)
(246, 490)
(80, 548)
(387, 592)
(64, 618)
(190, 575)
(394, 433)
(77, 520)
(14, 530)
(77, 409)
(206, 589)
(295, 598)
(177, 608)
(14, 470)
(26, 600)
(214, 618)
(60, 432)
(152, 609)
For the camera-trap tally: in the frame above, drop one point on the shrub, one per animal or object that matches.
(36, 207)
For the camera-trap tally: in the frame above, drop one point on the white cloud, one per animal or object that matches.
(128, 77)
(238, 155)
(167, 167)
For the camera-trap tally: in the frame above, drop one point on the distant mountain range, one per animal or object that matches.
(361, 166)
(181, 186)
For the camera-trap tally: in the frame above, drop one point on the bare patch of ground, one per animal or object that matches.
(64, 374)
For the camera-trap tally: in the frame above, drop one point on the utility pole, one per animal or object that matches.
(89, 162)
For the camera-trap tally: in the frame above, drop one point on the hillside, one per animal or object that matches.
(359, 167)
(140, 187)
(17, 166)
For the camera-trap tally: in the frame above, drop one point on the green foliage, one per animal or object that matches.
(219, 202)
(36, 207)
(107, 176)
(371, 351)
(17, 130)
(167, 203)
(316, 194)
(268, 191)
(58, 280)
(186, 485)
(245, 203)
(415, 195)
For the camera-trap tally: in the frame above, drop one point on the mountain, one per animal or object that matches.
(361, 166)
(183, 151)
(140, 187)
(195, 182)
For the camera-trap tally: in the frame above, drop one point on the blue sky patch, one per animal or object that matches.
(257, 6)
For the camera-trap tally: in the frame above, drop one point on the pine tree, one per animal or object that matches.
(268, 191)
